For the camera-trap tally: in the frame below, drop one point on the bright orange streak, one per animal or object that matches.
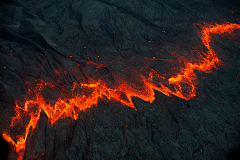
(187, 73)
(99, 89)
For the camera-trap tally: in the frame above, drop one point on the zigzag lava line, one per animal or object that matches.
(99, 89)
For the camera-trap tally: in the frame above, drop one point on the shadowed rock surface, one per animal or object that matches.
(38, 37)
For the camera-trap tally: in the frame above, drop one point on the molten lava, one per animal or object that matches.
(122, 91)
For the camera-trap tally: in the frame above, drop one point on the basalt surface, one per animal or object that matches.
(116, 79)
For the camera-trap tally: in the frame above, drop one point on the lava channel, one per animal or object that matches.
(89, 93)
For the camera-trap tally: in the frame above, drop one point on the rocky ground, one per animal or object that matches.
(38, 37)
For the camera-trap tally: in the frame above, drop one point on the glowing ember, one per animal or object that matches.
(122, 92)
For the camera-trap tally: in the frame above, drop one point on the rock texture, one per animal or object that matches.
(39, 36)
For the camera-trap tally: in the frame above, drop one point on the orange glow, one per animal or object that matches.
(122, 91)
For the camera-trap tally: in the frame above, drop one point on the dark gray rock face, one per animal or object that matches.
(38, 37)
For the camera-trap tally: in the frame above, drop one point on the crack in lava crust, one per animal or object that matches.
(99, 89)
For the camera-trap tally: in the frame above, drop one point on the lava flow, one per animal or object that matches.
(122, 91)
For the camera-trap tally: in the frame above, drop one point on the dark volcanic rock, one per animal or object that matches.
(38, 37)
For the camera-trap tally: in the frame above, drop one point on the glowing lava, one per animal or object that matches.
(122, 91)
